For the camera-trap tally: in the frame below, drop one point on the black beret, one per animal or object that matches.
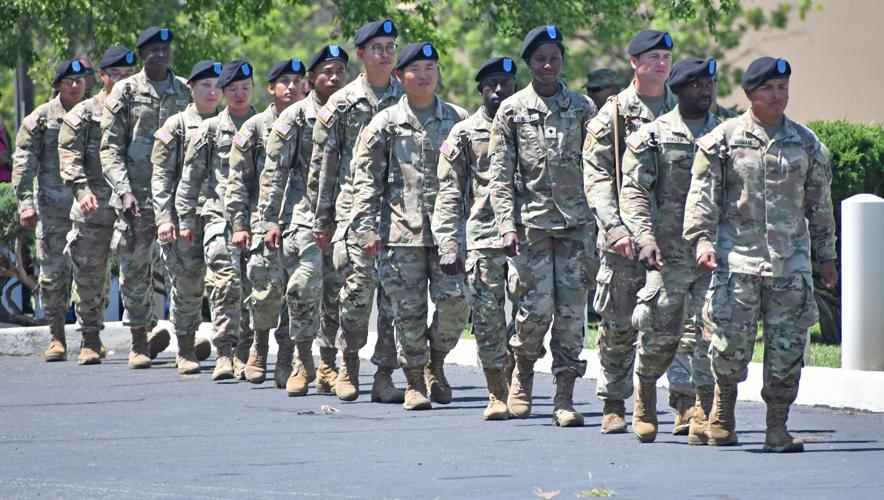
(384, 27)
(422, 51)
(691, 69)
(69, 68)
(539, 35)
(496, 66)
(154, 34)
(234, 71)
(763, 69)
(649, 40)
(287, 67)
(328, 53)
(204, 69)
(117, 56)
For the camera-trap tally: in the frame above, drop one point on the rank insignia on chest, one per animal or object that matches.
(163, 136)
(550, 132)
(239, 141)
(29, 123)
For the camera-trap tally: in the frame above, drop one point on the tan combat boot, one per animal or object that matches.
(508, 368)
(223, 364)
(702, 409)
(497, 392)
(90, 349)
(58, 347)
(157, 341)
(256, 366)
(347, 384)
(777, 438)
(564, 414)
(327, 373)
(614, 417)
(304, 372)
(644, 413)
(721, 428)
(139, 354)
(519, 398)
(383, 390)
(241, 356)
(202, 348)
(434, 372)
(684, 412)
(186, 360)
(416, 390)
(285, 358)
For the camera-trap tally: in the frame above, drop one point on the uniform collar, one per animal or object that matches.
(404, 114)
(786, 133)
(677, 123)
(560, 99)
(364, 90)
(631, 104)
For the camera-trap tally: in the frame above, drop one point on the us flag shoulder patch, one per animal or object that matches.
(368, 136)
(634, 141)
(707, 142)
(326, 116)
(72, 119)
(112, 104)
(449, 151)
(282, 129)
(239, 141)
(163, 136)
(29, 123)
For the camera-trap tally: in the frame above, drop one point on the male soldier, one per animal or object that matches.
(464, 194)
(395, 175)
(93, 217)
(335, 134)
(184, 262)
(544, 221)
(136, 108)
(656, 178)
(759, 201)
(263, 270)
(620, 277)
(289, 149)
(602, 84)
(46, 205)
(206, 162)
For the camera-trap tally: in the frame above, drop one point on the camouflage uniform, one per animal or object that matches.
(36, 159)
(89, 240)
(205, 173)
(184, 263)
(749, 198)
(464, 194)
(656, 178)
(536, 191)
(395, 176)
(335, 134)
(619, 279)
(134, 111)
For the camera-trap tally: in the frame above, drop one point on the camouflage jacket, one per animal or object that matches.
(335, 134)
(750, 196)
(464, 188)
(134, 112)
(598, 158)
(656, 178)
(395, 174)
(536, 177)
(36, 159)
(206, 167)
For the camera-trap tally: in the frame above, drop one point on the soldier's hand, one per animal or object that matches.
(451, 264)
(28, 218)
(830, 273)
(189, 236)
(707, 261)
(511, 244)
(271, 239)
(625, 247)
(166, 232)
(130, 206)
(651, 257)
(322, 240)
(88, 204)
(242, 240)
(373, 248)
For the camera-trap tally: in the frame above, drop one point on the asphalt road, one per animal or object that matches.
(105, 431)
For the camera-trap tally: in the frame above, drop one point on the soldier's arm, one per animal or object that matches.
(72, 153)
(639, 179)
(599, 178)
(276, 172)
(324, 162)
(26, 161)
(164, 158)
(115, 140)
(818, 205)
(502, 165)
(702, 209)
(369, 169)
(241, 167)
(449, 209)
(193, 174)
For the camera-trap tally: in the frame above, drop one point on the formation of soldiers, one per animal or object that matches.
(682, 229)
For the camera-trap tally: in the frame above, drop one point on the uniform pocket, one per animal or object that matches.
(602, 302)
(643, 316)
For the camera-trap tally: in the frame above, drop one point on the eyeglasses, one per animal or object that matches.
(79, 80)
(378, 49)
(115, 77)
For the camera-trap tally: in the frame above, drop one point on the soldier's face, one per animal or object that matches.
(72, 88)
(497, 88)
(420, 78)
(110, 76)
(328, 78)
(652, 66)
(239, 96)
(696, 97)
(546, 64)
(206, 93)
(156, 56)
(286, 89)
(770, 98)
(378, 54)
(600, 95)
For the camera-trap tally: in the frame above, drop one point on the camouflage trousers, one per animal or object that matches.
(550, 279)
(329, 320)
(787, 309)
(133, 244)
(406, 274)
(224, 266)
(266, 301)
(618, 282)
(89, 251)
(303, 263)
(55, 267)
(487, 279)
(186, 275)
(668, 316)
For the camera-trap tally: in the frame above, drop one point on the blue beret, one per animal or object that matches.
(154, 34)
(539, 35)
(328, 53)
(203, 70)
(287, 67)
(692, 69)
(649, 40)
(117, 56)
(496, 66)
(384, 27)
(422, 51)
(69, 68)
(234, 71)
(763, 69)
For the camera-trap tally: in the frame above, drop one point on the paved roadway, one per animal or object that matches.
(109, 432)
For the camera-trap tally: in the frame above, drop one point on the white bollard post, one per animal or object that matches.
(862, 288)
